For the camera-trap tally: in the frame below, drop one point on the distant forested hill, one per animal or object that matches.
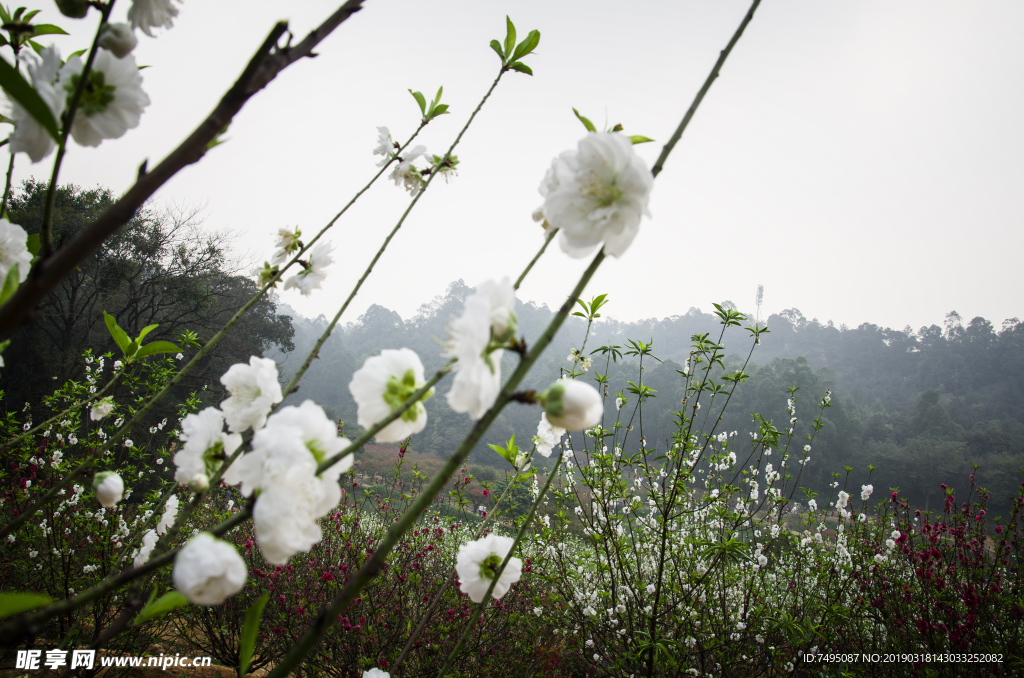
(920, 406)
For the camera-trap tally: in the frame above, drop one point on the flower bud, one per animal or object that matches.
(199, 482)
(503, 324)
(572, 405)
(208, 571)
(108, 487)
(118, 38)
(76, 9)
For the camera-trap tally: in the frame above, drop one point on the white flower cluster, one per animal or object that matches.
(287, 449)
(283, 467)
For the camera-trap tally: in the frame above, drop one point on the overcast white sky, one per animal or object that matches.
(861, 159)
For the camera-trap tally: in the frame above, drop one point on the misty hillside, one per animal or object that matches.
(919, 405)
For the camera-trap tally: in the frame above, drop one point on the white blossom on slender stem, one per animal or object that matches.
(141, 555)
(29, 136)
(488, 320)
(376, 673)
(205, 444)
(112, 101)
(315, 271)
(287, 244)
(477, 379)
(547, 435)
(477, 562)
(14, 250)
(146, 15)
(597, 194)
(406, 174)
(170, 513)
(380, 387)
(572, 405)
(385, 146)
(208, 571)
(254, 390)
(108, 487)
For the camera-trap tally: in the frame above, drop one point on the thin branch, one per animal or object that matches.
(658, 165)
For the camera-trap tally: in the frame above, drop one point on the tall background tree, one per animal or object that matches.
(161, 268)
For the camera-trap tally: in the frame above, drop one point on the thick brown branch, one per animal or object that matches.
(268, 61)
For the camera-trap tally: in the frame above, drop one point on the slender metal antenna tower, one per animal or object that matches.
(760, 298)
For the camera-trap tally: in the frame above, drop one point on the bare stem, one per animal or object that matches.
(660, 162)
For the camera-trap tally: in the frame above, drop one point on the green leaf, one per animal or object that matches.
(16, 603)
(496, 46)
(249, 630)
(119, 335)
(10, 284)
(157, 347)
(521, 67)
(437, 99)
(510, 35)
(420, 100)
(145, 330)
(171, 600)
(20, 91)
(77, 54)
(503, 452)
(32, 244)
(217, 140)
(31, 15)
(638, 139)
(527, 45)
(47, 29)
(586, 123)
(440, 109)
(3, 40)
(4, 15)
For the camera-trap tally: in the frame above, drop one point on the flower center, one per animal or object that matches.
(318, 452)
(489, 566)
(96, 94)
(601, 191)
(212, 457)
(398, 391)
(245, 392)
